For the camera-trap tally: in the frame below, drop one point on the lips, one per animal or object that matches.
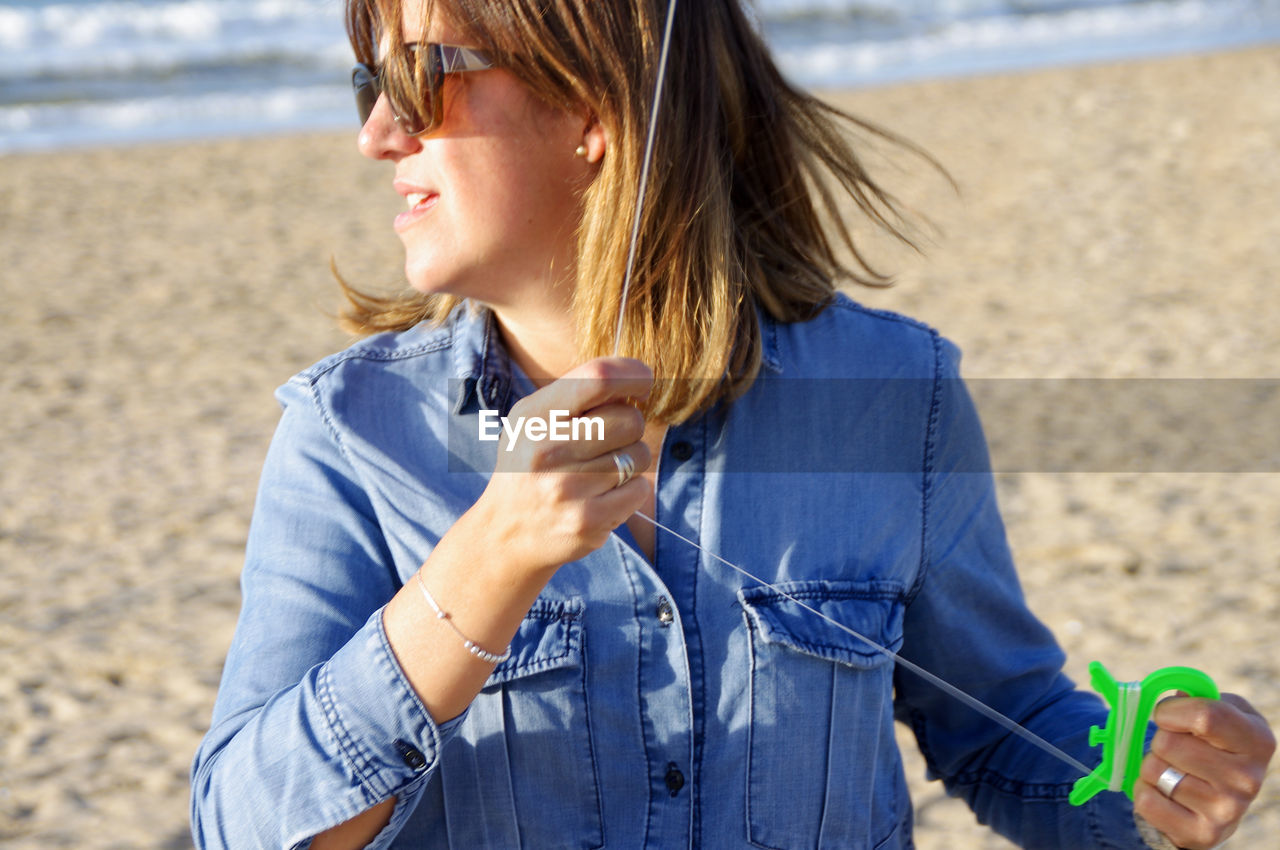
(421, 201)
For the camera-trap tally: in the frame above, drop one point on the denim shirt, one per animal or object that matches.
(663, 704)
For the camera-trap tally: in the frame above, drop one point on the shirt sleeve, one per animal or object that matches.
(315, 721)
(968, 622)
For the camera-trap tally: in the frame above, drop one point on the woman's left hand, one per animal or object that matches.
(1223, 746)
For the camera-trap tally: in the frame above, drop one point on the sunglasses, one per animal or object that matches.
(425, 115)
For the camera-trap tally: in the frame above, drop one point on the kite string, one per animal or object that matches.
(942, 684)
(644, 172)
(969, 700)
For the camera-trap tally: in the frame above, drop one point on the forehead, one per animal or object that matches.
(412, 21)
(411, 13)
(413, 27)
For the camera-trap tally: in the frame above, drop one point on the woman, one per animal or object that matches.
(449, 641)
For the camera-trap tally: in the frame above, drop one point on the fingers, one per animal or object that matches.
(623, 501)
(1222, 747)
(1191, 794)
(574, 446)
(588, 413)
(557, 492)
(1223, 741)
(1195, 817)
(1229, 724)
(607, 467)
(620, 425)
(597, 382)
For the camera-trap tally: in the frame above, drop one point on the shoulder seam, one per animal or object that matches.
(844, 302)
(363, 351)
(926, 475)
(334, 434)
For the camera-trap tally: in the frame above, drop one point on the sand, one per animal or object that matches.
(1116, 221)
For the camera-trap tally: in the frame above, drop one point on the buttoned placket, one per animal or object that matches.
(671, 685)
(667, 684)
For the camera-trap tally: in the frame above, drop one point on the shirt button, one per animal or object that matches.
(666, 615)
(412, 756)
(674, 779)
(682, 450)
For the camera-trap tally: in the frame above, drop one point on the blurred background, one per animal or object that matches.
(175, 178)
(93, 71)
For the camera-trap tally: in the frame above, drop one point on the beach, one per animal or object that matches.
(1116, 221)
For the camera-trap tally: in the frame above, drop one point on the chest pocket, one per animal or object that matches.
(823, 768)
(521, 770)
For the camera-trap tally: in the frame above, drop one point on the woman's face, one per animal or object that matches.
(492, 194)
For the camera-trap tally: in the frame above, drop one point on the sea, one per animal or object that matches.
(103, 72)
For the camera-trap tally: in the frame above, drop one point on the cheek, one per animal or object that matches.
(535, 195)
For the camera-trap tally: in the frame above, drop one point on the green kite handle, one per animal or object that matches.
(1123, 739)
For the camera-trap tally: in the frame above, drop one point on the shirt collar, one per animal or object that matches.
(482, 369)
(769, 356)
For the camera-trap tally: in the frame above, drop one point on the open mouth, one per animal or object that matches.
(417, 199)
(420, 203)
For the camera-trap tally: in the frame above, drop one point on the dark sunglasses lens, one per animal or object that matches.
(366, 88)
(414, 120)
(410, 122)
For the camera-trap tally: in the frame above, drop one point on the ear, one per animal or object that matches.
(595, 139)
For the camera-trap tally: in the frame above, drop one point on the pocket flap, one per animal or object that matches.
(873, 609)
(549, 638)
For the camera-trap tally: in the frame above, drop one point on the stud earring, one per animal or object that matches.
(581, 151)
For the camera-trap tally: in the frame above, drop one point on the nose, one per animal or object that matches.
(381, 136)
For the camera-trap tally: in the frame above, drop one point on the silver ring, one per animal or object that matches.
(1168, 781)
(626, 467)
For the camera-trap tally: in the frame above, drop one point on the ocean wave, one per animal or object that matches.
(833, 57)
(916, 11)
(50, 125)
(124, 37)
(96, 71)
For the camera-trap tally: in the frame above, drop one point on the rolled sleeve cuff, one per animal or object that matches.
(384, 732)
(1115, 826)
(1154, 838)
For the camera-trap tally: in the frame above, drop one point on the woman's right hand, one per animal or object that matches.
(549, 502)
(554, 501)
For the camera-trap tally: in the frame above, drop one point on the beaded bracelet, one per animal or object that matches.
(472, 647)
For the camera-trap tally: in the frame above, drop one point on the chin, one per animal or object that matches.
(433, 283)
(427, 287)
(428, 278)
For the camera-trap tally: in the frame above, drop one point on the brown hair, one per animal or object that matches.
(748, 179)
